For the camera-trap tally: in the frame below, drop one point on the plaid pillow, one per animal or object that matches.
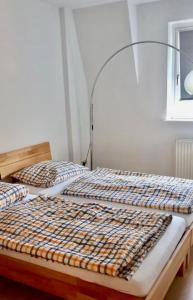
(48, 173)
(10, 193)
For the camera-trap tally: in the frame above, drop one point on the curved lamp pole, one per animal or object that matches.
(90, 148)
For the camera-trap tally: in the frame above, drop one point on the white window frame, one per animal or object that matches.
(176, 110)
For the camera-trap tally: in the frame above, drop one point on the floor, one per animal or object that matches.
(10, 290)
(181, 289)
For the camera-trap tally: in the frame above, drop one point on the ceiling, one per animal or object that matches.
(84, 3)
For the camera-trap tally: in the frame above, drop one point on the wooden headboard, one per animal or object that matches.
(13, 161)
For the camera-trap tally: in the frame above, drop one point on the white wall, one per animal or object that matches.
(130, 131)
(102, 30)
(32, 104)
(76, 90)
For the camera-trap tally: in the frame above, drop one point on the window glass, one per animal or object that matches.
(186, 45)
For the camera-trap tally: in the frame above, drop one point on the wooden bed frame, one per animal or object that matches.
(69, 287)
(13, 161)
(73, 288)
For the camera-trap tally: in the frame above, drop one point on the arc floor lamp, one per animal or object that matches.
(189, 83)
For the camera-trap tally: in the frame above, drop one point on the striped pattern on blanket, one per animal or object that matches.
(90, 236)
(136, 189)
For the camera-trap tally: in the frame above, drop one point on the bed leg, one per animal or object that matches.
(182, 269)
(188, 260)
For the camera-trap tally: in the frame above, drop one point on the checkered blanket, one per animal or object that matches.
(90, 236)
(136, 189)
(11, 193)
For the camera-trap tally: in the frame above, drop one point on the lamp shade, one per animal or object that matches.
(188, 83)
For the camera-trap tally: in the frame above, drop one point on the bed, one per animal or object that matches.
(58, 189)
(144, 192)
(139, 286)
(13, 161)
(41, 152)
(150, 282)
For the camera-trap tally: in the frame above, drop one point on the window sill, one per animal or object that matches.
(175, 119)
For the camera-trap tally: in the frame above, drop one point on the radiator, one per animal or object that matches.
(184, 158)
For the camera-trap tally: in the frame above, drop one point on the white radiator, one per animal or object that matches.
(184, 158)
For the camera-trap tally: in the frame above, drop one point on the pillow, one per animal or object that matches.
(10, 193)
(48, 173)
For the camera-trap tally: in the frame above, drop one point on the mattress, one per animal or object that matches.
(29, 197)
(144, 278)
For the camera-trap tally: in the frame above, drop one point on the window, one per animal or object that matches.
(180, 75)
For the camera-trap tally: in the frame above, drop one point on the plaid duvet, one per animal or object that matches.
(90, 236)
(136, 189)
(10, 193)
